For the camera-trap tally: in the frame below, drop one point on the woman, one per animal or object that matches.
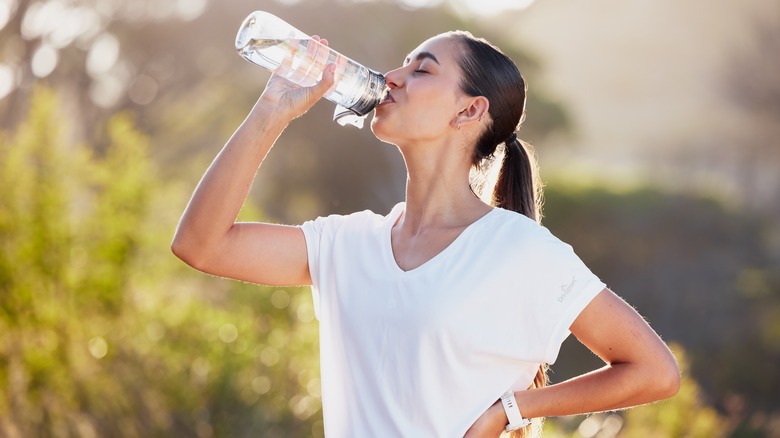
(436, 319)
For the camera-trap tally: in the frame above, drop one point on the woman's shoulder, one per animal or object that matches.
(358, 219)
(516, 236)
(515, 227)
(512, 221)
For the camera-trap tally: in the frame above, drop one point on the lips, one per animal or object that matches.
(386, 98)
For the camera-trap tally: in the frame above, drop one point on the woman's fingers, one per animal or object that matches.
(302, 78)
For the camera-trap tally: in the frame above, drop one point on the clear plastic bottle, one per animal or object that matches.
(270, 42)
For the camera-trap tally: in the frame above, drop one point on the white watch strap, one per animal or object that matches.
(516, 420)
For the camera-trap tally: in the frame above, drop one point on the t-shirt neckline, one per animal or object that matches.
(393, 217)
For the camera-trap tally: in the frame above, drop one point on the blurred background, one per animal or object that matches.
(656, 126)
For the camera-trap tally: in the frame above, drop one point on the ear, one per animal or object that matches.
(473, 111)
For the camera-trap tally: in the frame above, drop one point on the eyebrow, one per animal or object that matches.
(423, 55)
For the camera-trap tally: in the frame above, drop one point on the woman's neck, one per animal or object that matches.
(438, 193)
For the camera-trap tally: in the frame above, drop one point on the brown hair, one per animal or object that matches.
(488, 72)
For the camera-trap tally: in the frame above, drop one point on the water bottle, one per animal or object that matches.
(270, 42)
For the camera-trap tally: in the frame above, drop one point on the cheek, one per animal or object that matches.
(410, 123)
(437, 105)
(431, 110)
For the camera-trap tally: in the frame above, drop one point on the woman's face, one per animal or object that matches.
(424, 95)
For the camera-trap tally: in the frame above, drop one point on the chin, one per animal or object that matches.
(380, 129)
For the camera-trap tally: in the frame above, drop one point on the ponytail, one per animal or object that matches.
(518, 187)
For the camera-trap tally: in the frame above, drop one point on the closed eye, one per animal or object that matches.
(421, 71)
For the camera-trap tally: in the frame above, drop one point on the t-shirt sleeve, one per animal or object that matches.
(562, 287)
(316, 236)
(328, 241)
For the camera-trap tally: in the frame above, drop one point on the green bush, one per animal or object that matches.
(104, 332)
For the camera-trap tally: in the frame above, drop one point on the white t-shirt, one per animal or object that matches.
(423, 353)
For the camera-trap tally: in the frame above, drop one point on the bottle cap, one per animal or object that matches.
(344, 116)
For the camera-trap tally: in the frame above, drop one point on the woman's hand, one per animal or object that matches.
(291, 100)
(490, 424)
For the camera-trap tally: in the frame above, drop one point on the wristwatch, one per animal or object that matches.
(516, 420)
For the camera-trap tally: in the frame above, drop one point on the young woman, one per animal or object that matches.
(437, 319)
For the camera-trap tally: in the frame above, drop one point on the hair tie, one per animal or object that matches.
(511, 139)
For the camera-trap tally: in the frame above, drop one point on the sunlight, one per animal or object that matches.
(98, 347)
(417, 4)
(44, 61)
(7, 80)
(106, 90)
(492, 7)
(189, 10)
(7, 7)
(102, 55)
(143, 89)
(465, 7)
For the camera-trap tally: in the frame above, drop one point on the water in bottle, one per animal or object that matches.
(270, 42)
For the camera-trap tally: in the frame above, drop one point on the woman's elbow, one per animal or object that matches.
(666, 380)
(673, 382)
(185, 251)
(179, 250)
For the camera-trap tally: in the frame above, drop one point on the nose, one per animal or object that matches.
(394, 79)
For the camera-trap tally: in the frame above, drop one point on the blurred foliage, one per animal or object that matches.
(102, 336)
(685, 415)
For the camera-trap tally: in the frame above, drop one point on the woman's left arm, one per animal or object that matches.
(639, 367)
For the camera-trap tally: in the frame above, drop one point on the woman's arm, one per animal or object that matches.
(208, 238)
(639, 369)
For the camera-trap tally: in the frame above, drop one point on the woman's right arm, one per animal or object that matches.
(208, 238)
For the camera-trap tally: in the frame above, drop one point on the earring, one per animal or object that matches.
(458, 126)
